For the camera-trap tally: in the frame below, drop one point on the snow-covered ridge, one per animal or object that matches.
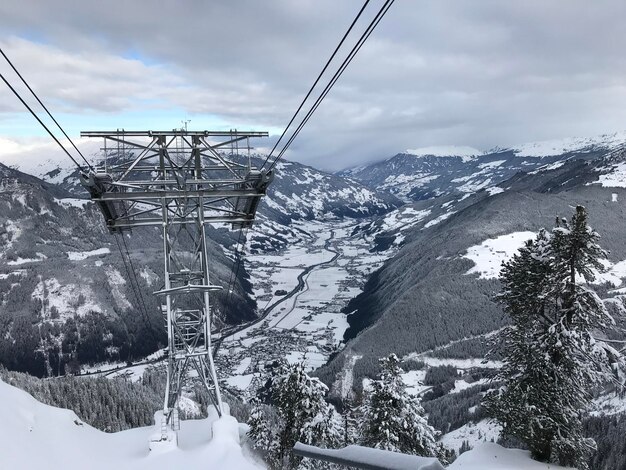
(446, 151)
(615, 177)
(549, 148)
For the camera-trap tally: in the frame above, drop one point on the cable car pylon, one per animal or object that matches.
(179, 181)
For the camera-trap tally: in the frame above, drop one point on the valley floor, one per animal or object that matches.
(317, 278)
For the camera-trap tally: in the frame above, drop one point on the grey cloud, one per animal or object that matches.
(479, 73)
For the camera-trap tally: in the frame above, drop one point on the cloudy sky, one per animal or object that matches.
(462, 72)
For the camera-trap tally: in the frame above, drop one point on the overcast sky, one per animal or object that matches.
(475, 73)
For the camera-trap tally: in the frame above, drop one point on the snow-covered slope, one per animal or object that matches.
(38, 436)
(60, 271)
(489, 456)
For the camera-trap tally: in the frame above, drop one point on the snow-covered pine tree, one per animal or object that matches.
(263, 432)
(394, 420)
(302, 415)
(350, 421)
(551, 358)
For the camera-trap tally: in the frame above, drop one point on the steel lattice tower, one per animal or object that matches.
(180, 181)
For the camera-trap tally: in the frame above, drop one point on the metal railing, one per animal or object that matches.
(367, 458)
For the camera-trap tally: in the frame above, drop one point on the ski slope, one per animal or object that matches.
(35, 436)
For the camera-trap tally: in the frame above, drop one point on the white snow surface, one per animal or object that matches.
(490, 254)
(613, 273)
(615, 177)
(490, 456)
(82, 255)
(474, 433)
(494, 190)
(381, 458)
(38, 436)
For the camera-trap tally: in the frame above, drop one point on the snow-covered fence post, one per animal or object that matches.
(367, 458)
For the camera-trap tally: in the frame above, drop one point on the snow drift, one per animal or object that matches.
(34, 435)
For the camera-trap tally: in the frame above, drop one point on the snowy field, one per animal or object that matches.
(472, 433)
(615, 178)
(490, 254)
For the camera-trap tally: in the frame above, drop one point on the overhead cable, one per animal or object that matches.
(40, 121)
(317, 80)
(44, 107)
(130, 273)
(366, 34)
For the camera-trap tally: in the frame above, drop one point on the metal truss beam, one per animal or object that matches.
(180, 181)
(174, 132)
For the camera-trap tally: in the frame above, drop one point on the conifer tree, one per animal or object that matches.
(350, 421)
(302, 415)
(551, 358)
(394, 420)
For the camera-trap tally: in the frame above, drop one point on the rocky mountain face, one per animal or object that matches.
(437, 182)
(298, 192)
(415, 178)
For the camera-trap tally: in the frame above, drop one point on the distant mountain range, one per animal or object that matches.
(430, 172)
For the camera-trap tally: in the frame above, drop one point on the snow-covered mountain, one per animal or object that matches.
(300, 193)
(435, 171)
(61, 270)
(555, 147)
